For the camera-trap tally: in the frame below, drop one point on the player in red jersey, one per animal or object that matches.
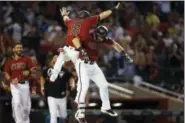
(78, 30)
(17, 71)
(90, 71)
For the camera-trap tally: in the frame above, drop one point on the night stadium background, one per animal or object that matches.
(149, 91)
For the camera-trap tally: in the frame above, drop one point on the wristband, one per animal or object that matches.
(80, 48)
(64, 15)
(123, 52)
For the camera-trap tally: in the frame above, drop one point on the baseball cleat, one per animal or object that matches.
(53, 77)
(80, 116)
(110, 112)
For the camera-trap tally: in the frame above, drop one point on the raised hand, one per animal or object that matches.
(117, 6)
(64, 11)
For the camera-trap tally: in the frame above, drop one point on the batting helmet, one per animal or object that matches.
(100, 33)
(84, 14)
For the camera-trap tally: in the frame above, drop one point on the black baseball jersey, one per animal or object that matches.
(58, 88)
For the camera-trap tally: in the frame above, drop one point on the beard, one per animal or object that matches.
(19, 53)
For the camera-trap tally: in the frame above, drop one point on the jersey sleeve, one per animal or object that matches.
(93, 20)
(108, 41)
(7, 66)
(67, 22)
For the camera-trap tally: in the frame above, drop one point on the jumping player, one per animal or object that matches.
(90, 71)
(17, 71)
(56, 92)
(78, 30)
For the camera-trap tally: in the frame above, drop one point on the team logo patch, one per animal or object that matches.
(61, 74)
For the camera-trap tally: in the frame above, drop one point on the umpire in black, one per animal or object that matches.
(56, 92)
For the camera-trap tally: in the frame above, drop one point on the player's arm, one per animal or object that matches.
(117, 47)
(76, 42)
(64, 14)
(120, 49)
(6, 71)
(72, 83)
(31, 68)
(7, 75)
(42, 82)
(107, 13)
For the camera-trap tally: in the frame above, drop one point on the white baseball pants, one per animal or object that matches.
(87, 72)
(57, 108)
(21, 102)
(68, 53)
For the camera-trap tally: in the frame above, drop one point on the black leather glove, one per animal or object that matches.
(127, 57)
(84, 54)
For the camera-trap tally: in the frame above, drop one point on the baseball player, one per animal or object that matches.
(78, 29)
(17, 71)
(89, 70)
(56, 92)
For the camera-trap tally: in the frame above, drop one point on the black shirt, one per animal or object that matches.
(58, 88)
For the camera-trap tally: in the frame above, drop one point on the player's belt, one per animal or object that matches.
(70, 46)
(89, 62)
(22, 82)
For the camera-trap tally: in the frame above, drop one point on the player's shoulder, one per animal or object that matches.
(8, 60)
(25, 57)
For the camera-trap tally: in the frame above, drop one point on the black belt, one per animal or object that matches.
(89, 62)
(70, 46)
(22, 82)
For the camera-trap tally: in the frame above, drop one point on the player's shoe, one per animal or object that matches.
(80, 116)
(110, 112)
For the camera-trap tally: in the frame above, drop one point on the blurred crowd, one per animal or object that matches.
(152, 33)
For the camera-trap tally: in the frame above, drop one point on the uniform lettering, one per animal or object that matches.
(92, 45)
(76, 27)
(20, 65)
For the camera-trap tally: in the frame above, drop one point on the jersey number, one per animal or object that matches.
(76, 28)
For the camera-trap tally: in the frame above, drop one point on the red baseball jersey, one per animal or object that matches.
(15, 67)
(80, 28)
(92, 48)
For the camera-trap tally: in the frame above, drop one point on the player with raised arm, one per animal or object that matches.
(77, 30)
(90, 71)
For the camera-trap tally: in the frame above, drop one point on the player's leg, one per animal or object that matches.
(26, 101)
(17, 107)
(100, 80)
(82, 88)
(83, 82)
(62, 109)
(62, 57)
(52, 109)
(72, 53)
